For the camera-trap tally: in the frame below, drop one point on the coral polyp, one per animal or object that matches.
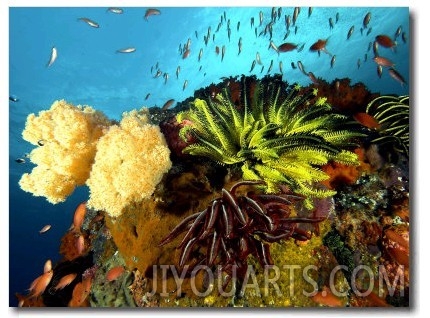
(233, 227)
(278, 137)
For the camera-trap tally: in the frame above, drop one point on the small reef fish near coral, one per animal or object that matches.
(243, 172)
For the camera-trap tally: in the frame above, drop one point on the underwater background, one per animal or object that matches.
(89, 70)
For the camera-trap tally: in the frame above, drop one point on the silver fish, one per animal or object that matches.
(238, 26)
(310, 11)
(330, 23)
(166, 77)
(368, 31)
(293, 66)
(301, 67)
(126, 50)
(281, 67)
(45, 228)
(375, 48)
(252, 22)
(20, 160)
(261, 17)
(90, 22)
(158, 74)
(295, 14)
(222, 53)
(288, 21)
(333, 59)
(358, 63)
(53, 56)
(115, 10)
(273, 46)
(398, 32)
(178, 69)
(258, 59)
(252, 66)
(366, 19)
(379, 71)
(351, 30)
(270, 67)
(200, 54)
(185, 85)
(337, 16)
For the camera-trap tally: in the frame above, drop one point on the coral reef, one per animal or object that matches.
(278, 137)
(66, 138)
(205, 214)
(130, 161)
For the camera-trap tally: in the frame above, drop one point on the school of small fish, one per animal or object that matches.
(274, 27)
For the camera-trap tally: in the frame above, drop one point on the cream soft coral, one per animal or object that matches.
(66, 136)
(130, 161)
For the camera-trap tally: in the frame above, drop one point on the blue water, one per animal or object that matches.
(89, 71)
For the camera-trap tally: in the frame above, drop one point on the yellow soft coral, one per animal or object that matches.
(66, 136)
(130, 161)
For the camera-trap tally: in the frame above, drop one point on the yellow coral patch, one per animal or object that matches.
(69, 135)
(130, 161)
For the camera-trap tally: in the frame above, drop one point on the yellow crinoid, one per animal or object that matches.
(279, 137)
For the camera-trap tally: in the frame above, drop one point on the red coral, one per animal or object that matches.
(170, 129)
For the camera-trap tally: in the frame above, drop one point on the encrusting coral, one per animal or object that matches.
(130, 161)
(66, 136)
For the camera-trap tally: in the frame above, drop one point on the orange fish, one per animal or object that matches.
(80, 244)
(186, 53)
(367, 120)
(385, 41)
(383, 61)
(150, 12)
(44, 229)
(78, 217)
(48, 266)
(39, 284)
(327, 298)
(80, 293)
(286, 47)
(65, 281)
(319, 46)
(114, 273)
(396, 75)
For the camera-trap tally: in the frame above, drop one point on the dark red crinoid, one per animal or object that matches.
(233, 227)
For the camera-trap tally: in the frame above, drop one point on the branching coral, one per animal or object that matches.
(66, 136)
(278, 138)
(130, 161)
(392, 113)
